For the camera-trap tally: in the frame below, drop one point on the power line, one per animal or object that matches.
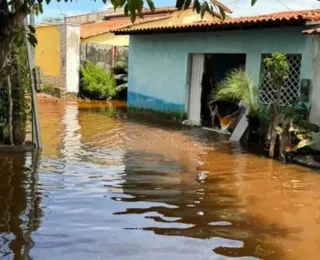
(64, 15)
(61, 12)
(285, 5)
(235, 5)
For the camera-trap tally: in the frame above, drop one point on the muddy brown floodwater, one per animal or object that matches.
(108, 187)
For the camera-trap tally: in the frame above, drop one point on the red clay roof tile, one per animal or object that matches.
(312, 31)
(114, 23)
(293, 16)
(147, 11)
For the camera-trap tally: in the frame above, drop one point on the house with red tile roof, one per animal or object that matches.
(99, 32)
(169, 61)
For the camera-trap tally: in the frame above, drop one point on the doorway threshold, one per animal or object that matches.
(216, 130)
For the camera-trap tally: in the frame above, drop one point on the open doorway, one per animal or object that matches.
(216, 67)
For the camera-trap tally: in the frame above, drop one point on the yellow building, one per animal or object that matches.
(58, 50)
(101, 32)
(48, 50)
(57, 55)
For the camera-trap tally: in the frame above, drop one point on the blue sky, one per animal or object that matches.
(84, 6)
(240, 7)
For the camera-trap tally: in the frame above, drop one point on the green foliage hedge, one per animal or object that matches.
(96, 83)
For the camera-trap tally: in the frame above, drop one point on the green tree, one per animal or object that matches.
(52, 20)
(277, 70)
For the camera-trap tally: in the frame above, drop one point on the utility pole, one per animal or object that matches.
(32, 23)
(36, 136)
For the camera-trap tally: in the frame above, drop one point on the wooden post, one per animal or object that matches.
(10, 111)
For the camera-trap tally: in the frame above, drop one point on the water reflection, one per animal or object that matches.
(20, 213)
(183, 203)
(109, 187)
(72, 137)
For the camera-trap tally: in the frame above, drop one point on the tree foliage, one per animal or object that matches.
(278, 70)
(52, 19)
(13, 11)
(238, 86)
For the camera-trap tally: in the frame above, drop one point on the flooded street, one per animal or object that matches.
(108, 187)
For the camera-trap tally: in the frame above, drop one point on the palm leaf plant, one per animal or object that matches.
(121, 75)
(238, 86)
(120, 72)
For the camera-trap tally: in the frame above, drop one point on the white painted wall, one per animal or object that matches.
(73, 58)
(197, 67)
(72, 138)
(315, 105)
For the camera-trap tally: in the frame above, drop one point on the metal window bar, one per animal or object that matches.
(290, 90)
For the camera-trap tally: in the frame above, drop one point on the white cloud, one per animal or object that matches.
(242, 7)
(56, 13)
(105, 7)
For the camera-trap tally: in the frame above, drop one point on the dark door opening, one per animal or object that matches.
(216, 68)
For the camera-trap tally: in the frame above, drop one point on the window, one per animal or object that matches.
(290, 91)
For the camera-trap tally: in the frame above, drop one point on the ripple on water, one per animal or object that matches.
(111, 188)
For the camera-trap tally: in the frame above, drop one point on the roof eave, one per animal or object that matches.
(211, 28)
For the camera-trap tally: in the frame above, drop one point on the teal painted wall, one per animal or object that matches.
(158, 64)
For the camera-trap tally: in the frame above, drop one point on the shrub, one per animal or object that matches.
(121, 75)
(238, 86)
(51, 90)
(96, 83)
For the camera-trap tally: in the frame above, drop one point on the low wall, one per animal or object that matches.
(104, 55)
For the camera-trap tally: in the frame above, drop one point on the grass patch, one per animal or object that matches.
(51, 90)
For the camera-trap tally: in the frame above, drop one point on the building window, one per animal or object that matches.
(290, 91)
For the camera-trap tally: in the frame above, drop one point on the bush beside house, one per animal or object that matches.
(96, 83)
(120, 72)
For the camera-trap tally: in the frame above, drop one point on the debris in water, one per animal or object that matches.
(220, 223)
(202, 176)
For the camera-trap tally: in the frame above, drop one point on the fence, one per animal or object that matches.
(103, 55)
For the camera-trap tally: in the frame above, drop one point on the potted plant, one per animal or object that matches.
(238, 86)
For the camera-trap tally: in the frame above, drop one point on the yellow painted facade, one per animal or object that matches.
(47, 54)
(108, 39)
(177, 18)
